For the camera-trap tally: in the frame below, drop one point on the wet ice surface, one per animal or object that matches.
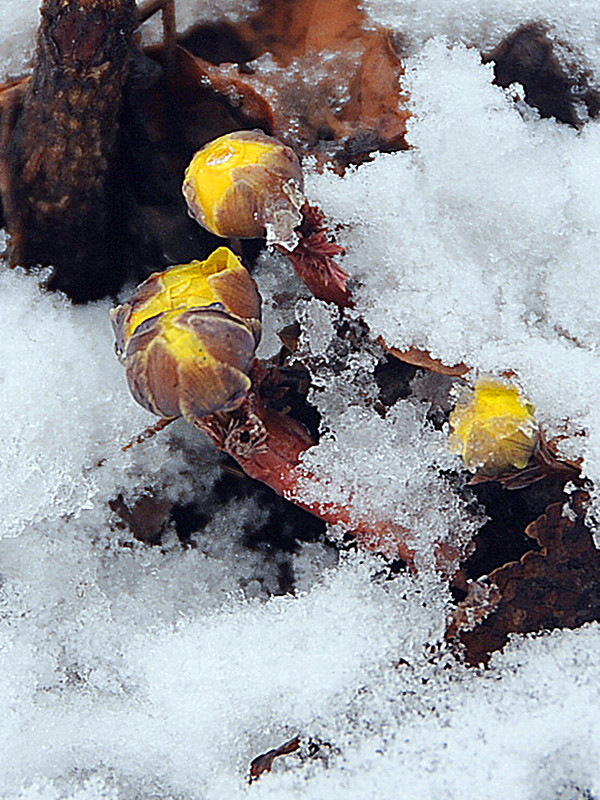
(128, 671)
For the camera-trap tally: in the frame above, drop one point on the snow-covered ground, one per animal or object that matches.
(131, 671)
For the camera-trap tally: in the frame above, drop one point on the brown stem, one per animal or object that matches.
(145, 11)
(169, 34)
(148, 9)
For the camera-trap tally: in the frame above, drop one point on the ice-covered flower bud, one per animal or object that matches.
(493, 428)
(190, 362)
(220, 281)
(247, 185)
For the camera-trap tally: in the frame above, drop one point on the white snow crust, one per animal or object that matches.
(484, 23)
(129, 671)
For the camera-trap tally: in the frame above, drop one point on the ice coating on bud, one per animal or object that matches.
(221, 279)
(190, 363)
(493, 428)
(283, 214)
(247, 185)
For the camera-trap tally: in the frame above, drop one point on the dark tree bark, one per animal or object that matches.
(62, 153)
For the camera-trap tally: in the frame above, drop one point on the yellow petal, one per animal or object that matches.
(221, 278)
(211, 171)
(190, 362)
(494, 427)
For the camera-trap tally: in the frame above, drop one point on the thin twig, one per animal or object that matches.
(149, 433)
(148, 8)
(169, 35)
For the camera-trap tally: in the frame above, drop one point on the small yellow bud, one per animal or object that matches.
(248, 185)
(190, 362)
(493, 428)
(221, 279)
(187, 337)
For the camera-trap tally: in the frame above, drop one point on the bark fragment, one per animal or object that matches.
(61, 156)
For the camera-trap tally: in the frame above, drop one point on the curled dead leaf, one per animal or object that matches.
(555, 587)
(421, 358)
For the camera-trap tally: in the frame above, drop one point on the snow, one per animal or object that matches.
(485, 224)
(131, 671)
(59, 375)
(387, 468)
(484, 23)
(280, 288)
(20, 19)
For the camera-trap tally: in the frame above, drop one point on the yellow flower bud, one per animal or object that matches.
(248, 185)
(190, 362)
(221, 279)
(493, 428)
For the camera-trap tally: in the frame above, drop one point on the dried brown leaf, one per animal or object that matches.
(264, 762)
(555, 587)
(356, 102)
(146, 518)
(421, 358)
(194, 74)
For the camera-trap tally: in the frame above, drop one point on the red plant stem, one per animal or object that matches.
(277, 462)
(149, 433)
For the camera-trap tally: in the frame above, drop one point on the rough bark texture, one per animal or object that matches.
(62, 150)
